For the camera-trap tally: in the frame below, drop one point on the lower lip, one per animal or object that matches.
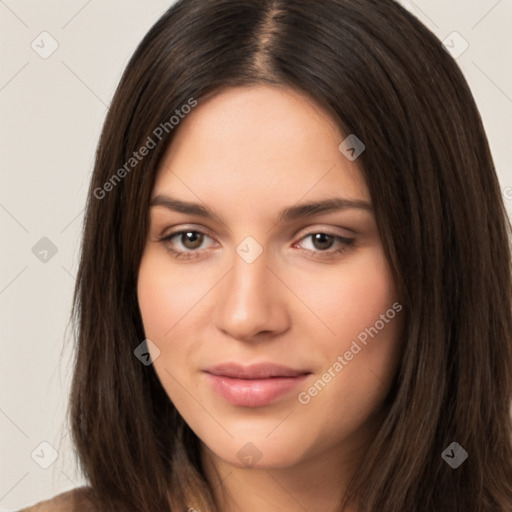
(253, 392)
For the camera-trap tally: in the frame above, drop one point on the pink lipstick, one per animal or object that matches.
(253, 385)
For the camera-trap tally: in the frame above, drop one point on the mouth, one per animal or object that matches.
(255, 385)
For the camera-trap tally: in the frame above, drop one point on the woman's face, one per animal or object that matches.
(274, 322)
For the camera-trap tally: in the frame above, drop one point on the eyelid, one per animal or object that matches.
(180, 228)
(343, 240)
(342, 232)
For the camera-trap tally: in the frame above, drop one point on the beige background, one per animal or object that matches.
(51, 114)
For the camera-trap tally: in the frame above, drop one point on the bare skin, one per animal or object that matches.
(247, 154)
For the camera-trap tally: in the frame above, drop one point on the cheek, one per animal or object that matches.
(166, 301)
(357, 306)
(165, 295)
(155, 299)
(352, 298)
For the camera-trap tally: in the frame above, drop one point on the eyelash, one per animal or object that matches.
(346, 243)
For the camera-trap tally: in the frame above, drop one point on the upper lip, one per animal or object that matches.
(254, 371)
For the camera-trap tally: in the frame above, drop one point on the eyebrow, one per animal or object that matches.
(306, 209)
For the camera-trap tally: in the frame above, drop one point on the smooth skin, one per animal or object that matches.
(246, 154)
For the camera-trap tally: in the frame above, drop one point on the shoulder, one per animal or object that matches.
(76, 500)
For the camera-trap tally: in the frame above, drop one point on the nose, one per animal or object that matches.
(251, 302)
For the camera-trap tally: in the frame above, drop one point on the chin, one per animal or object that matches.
(258, 452)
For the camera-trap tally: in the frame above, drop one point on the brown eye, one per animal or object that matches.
(324, 245)
(191, 239)
(322, 241)
(187, 244)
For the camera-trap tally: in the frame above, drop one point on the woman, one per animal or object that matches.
(294, 291)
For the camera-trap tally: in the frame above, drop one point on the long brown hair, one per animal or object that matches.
(384, 77)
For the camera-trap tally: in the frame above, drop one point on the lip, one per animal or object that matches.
(254, 385)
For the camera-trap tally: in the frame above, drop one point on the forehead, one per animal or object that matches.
(258, 143)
